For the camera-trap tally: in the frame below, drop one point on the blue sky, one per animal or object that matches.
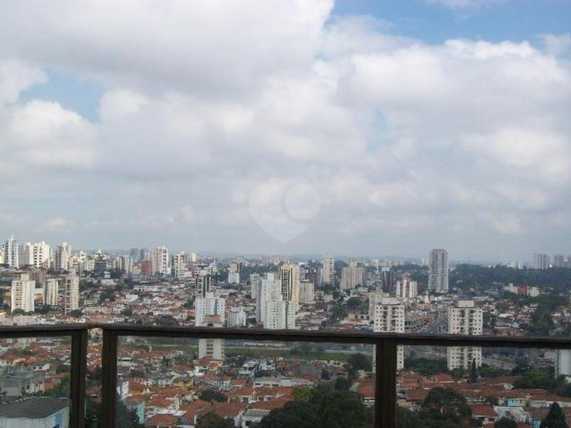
(514, 20)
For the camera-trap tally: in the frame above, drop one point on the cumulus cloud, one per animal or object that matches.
(285, 129)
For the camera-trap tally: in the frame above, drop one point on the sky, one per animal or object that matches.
(355, 127)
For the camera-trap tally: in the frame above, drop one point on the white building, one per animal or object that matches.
(306, 293)
(269, 289)
(51, 292)
(466, 319)
(541, 261)
(390, 318)
(438, 271)
(62, 257)
(352, 276)
(211, 348)
(160, 262)
(11, 253)
(328, 271)
(71, 292)
(406, 288)
(236, 317)
(180, 262)
(22, 294)
(289, 280)
(255, 281)
(280, 315)
(563, 363)
(209, 306)
(234, 273)
(41, 255)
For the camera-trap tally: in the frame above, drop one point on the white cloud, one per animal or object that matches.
(218, 118)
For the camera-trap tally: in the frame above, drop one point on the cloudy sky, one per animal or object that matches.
(362, 127)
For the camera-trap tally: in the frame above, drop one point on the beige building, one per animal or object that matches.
(464, 318)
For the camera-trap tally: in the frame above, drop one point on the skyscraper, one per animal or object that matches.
(22, 294)
(209, 306)
(40, 255)
(390, 318)
(160, 261)
(62, 257)
(406, 288)
(289, 280)
(71, 292)
(541, 261)
(202, 285)
(438, 271)
(352, 276)
(466, 319)
(328, 271)
(11, 253)
(269, 289)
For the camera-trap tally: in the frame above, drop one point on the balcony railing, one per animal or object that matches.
(385, 369)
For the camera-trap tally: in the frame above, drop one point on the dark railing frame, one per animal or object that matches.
(78, 334)
(386, 354)
(385, 369)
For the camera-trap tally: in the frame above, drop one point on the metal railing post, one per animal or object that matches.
(109, 371)
(77, 381)
(385, 383)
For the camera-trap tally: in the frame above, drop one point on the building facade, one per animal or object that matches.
(464, 318)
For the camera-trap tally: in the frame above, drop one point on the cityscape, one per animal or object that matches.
(285, 214)
(243, 382)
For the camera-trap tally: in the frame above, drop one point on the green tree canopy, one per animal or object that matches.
(505, 423)
(444, 407)
(326, 408)
(212, 395)
(212, 420)
(555, 418)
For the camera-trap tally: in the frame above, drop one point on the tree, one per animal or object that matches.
(360, 362)
(474, 372)
(212, 395)
(212, 420)
(342, 384)
(407, 419)
(555, 418)
(505, 423)
(444, 407)
(326, 408)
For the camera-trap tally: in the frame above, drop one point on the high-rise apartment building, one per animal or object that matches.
(11, 253)
(289, 280)
(71, 292)
(22, 294)
(255, 281)
(160, 261)
(328, 271)
(466, 319)
(352, 276)
(438, 271)
(41, 255)
(541, 261)
(563, 363)
(51, 292)
(62, 257)
(234, 273)
(280, 315)
(180, 262)
(211, 348)
(559, 261)
(203, 285)
(269, 289)
(236, 317)
(209, 306)
(390, 318)
(406, 288)
(306, 293)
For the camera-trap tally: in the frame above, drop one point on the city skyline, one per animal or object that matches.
(296, 127)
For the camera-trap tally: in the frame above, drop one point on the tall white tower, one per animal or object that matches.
(328, 270)
(438, 275)
(466, 319)
(11, 253)
(390, 318)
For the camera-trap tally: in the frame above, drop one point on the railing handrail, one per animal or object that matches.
(386, 353)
